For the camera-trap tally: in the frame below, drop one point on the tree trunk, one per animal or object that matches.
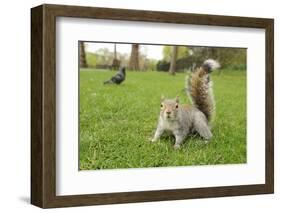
(115, 63)
(134, 59)
(115, 52)
(83, 61)
(173, 62)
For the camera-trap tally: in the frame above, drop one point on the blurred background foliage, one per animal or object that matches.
(184, 57)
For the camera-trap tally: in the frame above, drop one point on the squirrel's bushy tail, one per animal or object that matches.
(200, 88)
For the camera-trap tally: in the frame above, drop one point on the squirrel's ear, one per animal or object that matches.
(162, 98)
(177, 99)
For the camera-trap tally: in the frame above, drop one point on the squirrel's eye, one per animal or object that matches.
(161, 105)
(177, 106)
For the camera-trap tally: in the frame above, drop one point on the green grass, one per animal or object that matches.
(116, 122)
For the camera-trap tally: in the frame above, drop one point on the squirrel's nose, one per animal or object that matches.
(168, 112)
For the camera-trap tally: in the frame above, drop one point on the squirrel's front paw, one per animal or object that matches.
(206, 141)
(176, 146)
(152, 140)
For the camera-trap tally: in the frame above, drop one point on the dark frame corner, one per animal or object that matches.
(43, 112)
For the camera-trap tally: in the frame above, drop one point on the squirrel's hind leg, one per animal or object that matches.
(202, 127)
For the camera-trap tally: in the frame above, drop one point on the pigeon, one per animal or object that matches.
(118, 78)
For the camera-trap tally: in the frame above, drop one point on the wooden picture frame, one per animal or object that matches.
(43, 105)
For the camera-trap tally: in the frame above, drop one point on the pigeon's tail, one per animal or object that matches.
(108, 82)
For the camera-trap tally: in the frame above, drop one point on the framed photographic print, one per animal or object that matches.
(136, 106)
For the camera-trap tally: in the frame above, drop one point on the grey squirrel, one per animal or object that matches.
(182, 120)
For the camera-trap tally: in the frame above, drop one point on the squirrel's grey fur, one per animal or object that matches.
(182, 120)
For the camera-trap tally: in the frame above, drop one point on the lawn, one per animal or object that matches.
(116, 122)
